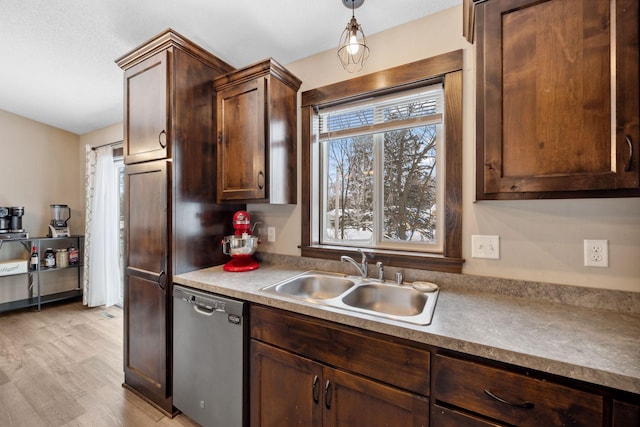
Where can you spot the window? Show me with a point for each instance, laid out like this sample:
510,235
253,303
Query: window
382,166
378,171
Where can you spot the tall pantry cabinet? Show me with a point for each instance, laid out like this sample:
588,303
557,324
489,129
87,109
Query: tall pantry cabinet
173,224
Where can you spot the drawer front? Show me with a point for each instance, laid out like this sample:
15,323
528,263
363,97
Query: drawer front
512,398
445,417
375,357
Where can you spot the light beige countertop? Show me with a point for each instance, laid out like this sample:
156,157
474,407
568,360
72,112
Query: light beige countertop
597,346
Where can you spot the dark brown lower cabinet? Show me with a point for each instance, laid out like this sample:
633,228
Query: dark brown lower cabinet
509,397
310,372
327,386
287,389
147,309
626,414
445,417
146,354
351,400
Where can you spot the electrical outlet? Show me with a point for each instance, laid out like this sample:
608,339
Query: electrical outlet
271,234
596,253
485,247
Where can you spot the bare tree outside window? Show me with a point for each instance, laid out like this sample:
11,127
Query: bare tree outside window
350,188
410,184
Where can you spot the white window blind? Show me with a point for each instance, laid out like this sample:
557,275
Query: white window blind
381,114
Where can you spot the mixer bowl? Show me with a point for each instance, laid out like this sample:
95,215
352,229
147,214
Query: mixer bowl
239,245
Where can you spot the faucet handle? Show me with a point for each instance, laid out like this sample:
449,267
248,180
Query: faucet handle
380,267
399,278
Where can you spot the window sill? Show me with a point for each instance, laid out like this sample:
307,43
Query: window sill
415,260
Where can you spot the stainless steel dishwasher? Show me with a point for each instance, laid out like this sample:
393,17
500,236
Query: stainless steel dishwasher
210,377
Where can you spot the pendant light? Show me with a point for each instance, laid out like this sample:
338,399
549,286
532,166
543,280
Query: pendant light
353,50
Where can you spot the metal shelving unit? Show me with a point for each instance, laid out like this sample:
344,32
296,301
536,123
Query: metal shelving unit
36,278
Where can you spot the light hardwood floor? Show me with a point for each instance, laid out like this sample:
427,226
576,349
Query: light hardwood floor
63,367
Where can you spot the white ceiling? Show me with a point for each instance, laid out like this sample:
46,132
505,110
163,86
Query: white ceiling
58,55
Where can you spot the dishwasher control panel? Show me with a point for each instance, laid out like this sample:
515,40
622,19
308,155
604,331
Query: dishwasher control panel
205,302
210,302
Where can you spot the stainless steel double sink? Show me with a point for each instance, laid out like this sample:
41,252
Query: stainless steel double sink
387,300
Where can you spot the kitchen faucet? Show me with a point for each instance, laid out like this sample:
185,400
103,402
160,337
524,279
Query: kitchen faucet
363,268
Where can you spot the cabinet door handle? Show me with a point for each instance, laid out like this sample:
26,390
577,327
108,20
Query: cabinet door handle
627,168
162,280
524,405
327,395
162,139
260,180
315,392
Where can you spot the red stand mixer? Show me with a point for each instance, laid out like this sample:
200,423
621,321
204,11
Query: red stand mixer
241,245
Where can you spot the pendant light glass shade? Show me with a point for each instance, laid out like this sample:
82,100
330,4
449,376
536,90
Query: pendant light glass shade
353,50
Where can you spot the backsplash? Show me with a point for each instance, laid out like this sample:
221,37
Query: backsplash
593,298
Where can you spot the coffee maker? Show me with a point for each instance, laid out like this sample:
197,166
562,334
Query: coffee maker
11,223
16,213
60,215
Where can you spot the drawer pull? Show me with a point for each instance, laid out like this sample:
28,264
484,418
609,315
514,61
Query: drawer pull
524,405
315,392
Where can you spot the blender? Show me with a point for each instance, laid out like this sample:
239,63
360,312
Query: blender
241,245
60,216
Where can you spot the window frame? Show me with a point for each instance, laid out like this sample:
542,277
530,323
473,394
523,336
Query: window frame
446,69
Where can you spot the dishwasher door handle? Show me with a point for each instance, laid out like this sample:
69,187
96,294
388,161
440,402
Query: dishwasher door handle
205,311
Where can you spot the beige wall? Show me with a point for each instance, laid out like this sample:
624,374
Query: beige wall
109,135
39,167
540,240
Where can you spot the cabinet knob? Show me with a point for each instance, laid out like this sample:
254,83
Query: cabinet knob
162,139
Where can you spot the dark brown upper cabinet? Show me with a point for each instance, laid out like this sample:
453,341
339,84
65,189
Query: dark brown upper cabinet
158,92
257,136
146,110
557,98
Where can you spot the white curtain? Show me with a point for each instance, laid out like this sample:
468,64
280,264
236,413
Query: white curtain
102,224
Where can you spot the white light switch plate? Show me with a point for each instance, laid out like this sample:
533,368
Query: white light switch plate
271,234
485,246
